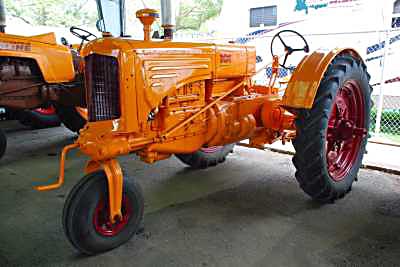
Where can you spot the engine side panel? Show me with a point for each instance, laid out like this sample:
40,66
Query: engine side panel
234,61
163,74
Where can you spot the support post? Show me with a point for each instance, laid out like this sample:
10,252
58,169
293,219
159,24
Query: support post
387,22
381,87
2,16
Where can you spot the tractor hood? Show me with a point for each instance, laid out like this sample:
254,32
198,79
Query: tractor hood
154,70
227,60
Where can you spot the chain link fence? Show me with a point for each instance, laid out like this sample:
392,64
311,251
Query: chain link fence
383,61
386,126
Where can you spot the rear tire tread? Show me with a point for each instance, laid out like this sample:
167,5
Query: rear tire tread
203,160
309,162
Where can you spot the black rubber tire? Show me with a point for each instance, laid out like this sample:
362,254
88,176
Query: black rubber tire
310,158
38,120
202,160
70,118
3,143
79,208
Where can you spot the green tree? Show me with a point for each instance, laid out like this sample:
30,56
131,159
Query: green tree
53,12
193,13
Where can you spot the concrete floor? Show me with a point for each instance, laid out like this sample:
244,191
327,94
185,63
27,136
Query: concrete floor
248,211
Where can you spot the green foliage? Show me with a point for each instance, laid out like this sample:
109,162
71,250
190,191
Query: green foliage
193,13
390,122
53,12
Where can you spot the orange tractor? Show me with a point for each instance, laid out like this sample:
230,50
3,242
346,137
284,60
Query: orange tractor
196,100
37,72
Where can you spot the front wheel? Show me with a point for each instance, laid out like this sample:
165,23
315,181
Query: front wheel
331,137
86,215
3,143
206,156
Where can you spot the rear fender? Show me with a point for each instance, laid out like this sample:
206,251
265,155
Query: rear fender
303,85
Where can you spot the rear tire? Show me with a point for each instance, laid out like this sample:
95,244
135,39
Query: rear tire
85,214
332,135
206,157
39,118
71,118
3,143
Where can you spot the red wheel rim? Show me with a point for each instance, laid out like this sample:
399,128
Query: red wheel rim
46,111
211,149
101,218
346,130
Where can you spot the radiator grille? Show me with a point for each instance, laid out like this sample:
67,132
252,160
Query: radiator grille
102,85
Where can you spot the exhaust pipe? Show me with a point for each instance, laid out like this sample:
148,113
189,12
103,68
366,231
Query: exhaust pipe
167,19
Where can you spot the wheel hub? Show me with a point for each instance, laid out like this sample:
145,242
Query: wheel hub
346,130
101,218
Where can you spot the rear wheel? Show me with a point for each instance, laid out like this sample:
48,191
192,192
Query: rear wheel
86,215
206,156
331,137
3,143
39,118
71,118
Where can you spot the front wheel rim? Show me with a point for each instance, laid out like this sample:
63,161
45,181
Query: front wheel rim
346,130
101,218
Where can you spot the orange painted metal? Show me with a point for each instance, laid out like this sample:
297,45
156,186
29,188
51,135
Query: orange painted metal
83,112
276,117
115,179
303,84
54,61
191,118
275,69
201,94
147,16
60,180
198,94
92,166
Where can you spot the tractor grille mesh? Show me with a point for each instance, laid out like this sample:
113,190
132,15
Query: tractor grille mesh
102,85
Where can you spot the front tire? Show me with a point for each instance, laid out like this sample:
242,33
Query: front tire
331,137
85,215
206,157
3,143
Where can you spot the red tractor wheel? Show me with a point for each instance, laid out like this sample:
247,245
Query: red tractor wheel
39,118
331,137
86,215
3,143
206,156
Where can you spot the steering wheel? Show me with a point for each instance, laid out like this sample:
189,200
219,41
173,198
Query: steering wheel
288,49
82,34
